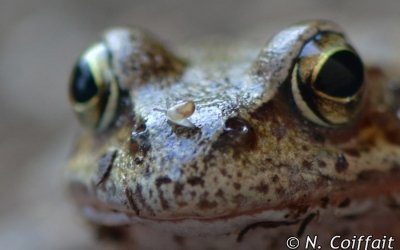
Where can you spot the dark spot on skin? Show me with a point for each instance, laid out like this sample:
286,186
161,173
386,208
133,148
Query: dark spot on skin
195,181
317,137
223,171
207,159
393,204
128,194
194,166
306,164
305,148
321,164
365,149
352,217
239,174
147,173
105,164
266,224
112,234
178,187
182,204
139,197
304,224
259,72
220,193
162,180
341,164
205,204
268,159
265,112
275,179
279,191
279,131
215,179
325,201
262,187
370,175
164,202
352,152
392,134
179,240
344,203
237,186
239,199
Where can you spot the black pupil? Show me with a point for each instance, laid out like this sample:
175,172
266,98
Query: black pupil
83,86
341,76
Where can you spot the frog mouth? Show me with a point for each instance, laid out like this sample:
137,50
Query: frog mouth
222,226
189,226
354,198
340,207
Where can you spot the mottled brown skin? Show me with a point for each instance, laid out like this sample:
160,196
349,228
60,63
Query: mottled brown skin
251,151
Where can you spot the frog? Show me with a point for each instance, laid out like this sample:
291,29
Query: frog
231,146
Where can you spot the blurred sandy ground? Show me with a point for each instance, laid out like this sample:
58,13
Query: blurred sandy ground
39,42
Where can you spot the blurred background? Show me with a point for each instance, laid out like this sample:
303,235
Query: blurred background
40,41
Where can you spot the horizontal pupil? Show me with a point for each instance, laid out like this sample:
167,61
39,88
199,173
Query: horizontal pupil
341,75
83,86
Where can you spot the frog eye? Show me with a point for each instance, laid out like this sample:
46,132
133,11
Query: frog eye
93,89
328,80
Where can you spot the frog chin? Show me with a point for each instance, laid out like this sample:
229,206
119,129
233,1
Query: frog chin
224,225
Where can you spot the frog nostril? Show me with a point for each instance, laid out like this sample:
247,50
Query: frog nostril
140,129
139,143
236,125
238,136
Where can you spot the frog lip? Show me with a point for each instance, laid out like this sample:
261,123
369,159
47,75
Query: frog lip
189,226
223,225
